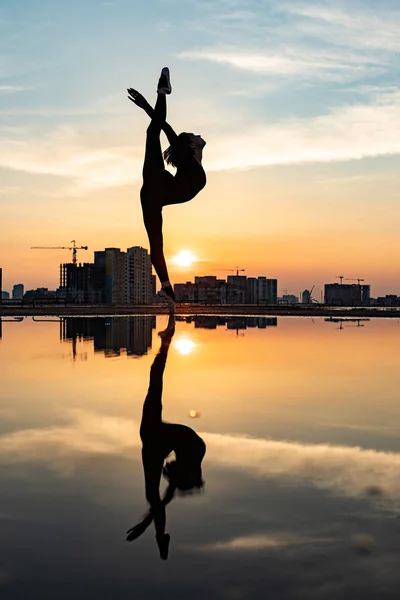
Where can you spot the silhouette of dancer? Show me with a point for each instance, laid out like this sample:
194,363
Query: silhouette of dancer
160,187
159,440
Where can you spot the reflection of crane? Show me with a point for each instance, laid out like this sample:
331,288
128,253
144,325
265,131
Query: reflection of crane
74,249
356,279
341,321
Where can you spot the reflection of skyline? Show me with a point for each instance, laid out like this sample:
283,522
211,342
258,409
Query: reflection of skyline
234,323
112,336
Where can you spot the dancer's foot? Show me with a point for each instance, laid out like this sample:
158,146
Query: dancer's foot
163,545
167,294
167,334
169,291
137,98
164,84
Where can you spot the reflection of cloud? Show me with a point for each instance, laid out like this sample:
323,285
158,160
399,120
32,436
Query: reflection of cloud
350,471
58,447
260,542
341,469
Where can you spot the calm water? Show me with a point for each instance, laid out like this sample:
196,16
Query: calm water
302,470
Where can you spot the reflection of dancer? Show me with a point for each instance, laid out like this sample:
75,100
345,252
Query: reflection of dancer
159,440
161,187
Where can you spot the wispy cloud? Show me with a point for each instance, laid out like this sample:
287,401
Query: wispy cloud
67,153
294,61
350,24
348,133
318,41
12,89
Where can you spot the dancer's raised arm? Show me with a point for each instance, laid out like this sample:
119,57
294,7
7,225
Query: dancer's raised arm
140,101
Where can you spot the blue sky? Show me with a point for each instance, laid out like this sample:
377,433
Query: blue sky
309,88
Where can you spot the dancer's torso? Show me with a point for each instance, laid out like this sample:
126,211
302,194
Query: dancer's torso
188,181
170,437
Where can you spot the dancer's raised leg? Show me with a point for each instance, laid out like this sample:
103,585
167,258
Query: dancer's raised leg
140,101
156,182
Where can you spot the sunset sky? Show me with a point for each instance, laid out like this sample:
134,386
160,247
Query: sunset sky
299,102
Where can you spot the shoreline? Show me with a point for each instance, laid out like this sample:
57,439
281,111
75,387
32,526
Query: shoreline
199,310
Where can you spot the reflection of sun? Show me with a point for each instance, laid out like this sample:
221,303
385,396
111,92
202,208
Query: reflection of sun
184,345
184,259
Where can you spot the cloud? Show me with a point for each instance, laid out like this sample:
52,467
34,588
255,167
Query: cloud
353,26
67,153
94,161
348,133
295,61
10,89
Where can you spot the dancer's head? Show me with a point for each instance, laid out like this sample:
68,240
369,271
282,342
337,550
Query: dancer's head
185,474
185,146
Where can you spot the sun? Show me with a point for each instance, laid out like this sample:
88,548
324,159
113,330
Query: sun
184,258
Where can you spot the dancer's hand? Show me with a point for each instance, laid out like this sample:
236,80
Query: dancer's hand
134,532
137,98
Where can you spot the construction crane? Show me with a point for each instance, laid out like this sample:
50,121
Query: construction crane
310,299
355,279
237,270
74,249
341,277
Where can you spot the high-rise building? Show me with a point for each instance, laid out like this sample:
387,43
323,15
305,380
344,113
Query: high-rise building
306,297
236,289
115,276
347,294
138,276
252,290
268,290
5,295
18,291
210,289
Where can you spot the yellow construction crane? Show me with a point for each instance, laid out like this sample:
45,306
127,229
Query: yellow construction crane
74,249
355,279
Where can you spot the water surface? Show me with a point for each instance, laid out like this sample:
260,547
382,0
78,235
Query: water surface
302,470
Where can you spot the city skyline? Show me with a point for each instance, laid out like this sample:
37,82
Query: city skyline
317,293
298,102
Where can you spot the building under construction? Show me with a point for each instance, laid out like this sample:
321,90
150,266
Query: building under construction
339,294
115,277
83,283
